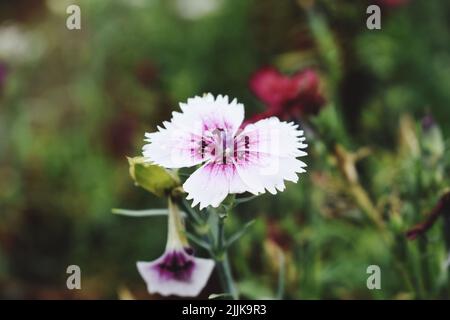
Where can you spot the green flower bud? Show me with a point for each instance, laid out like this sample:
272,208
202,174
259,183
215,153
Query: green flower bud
153,178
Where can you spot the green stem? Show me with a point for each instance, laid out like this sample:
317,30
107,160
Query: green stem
422,241
446,231
215,239
223,264
401,258
226,277
423,250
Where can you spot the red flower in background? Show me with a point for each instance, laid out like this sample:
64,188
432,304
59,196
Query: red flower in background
287,96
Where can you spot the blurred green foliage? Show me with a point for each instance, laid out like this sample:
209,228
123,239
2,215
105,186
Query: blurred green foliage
74,104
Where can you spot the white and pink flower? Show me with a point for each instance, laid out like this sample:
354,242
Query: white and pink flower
177,271
208,132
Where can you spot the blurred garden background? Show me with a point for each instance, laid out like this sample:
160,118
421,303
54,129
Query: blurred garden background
375,107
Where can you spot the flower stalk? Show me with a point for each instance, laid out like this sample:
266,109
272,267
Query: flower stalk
175,233
220,250
223,264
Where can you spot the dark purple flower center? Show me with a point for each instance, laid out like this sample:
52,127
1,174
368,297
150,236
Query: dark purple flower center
222,147
176,265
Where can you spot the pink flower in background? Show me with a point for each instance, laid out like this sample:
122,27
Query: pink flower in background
177,271
287,96
207,131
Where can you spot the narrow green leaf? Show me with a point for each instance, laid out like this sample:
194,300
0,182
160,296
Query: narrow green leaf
240,233
244,199
201,243
255,290
219,296
144,213
193,213
140,213
213,222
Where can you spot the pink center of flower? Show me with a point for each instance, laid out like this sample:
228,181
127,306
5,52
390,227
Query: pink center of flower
219,146
176,265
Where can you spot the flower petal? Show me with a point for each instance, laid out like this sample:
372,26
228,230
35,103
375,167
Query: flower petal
213,113
287,96
174,147
269,150
271,86
182,141
265,156
210,184
308,98
176,273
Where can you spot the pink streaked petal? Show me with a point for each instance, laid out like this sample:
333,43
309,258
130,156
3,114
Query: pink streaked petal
269,173
273,137
210,184
213,112
166,283
174,147
179,143
272,151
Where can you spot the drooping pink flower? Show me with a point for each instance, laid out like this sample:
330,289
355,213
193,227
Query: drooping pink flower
234,160
287,96
177,271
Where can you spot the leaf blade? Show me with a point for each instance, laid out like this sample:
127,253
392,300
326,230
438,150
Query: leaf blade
140,213
239,233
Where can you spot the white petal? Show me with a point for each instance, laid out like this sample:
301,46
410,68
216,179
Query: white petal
215,113
273,137
170,286
179,143
210,184
173,148
272,147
